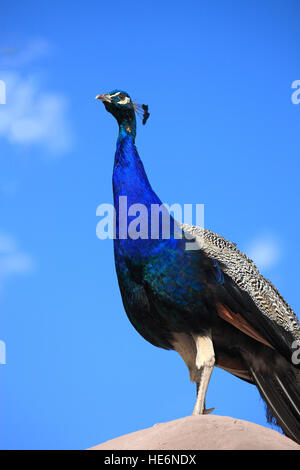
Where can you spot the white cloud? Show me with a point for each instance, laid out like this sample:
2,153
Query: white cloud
7,244
15,263
264,251
34,116
12,260
21,56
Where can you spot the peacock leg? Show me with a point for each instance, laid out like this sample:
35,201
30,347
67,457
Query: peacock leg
206,411
205,360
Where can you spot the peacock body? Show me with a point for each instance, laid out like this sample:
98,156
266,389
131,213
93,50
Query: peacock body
211,305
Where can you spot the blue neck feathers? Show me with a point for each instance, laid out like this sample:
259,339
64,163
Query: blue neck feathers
130,180
129,176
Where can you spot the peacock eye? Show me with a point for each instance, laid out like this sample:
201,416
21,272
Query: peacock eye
121,96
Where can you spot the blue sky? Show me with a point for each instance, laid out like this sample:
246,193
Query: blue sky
223,131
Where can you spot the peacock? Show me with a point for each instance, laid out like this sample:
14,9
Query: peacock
211,304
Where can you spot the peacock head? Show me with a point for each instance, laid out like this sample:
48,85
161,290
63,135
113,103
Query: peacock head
121,106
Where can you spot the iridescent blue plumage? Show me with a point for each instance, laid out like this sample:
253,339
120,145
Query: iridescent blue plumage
198,302
145,267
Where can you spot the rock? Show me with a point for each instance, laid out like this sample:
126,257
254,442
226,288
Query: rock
205,432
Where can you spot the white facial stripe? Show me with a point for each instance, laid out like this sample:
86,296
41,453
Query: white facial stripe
125,100
115,94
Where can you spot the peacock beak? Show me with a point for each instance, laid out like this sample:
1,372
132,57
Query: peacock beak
104,98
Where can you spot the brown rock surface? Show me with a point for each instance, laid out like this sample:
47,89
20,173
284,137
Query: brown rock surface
202,433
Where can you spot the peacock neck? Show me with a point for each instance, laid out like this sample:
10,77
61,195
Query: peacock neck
129,176
127,126
130,180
